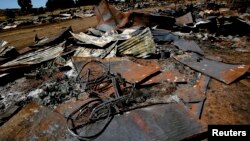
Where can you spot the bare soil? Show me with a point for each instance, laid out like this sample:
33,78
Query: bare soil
23,37
227,104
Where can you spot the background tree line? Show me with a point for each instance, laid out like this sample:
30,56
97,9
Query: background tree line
61,4
26,5
51,5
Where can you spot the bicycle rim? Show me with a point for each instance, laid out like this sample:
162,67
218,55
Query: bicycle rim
82,126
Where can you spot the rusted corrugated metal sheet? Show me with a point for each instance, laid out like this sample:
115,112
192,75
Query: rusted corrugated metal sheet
3,48
7,52
60,37
100,41
160,122
33,58
141,45
102,53
2,44
34,122
160,35
89,39
226,73
88,52
130,70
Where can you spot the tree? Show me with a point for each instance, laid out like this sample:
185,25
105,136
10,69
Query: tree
51,5
25,5
55,4
67,3
41,10
87,2
10,14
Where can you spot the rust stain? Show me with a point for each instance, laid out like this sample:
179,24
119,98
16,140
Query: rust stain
196,92
232,74
139,120
245,82
69,106
34,121
195,95
170,76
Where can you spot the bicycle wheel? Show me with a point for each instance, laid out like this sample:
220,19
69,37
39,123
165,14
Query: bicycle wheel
86,124
92,72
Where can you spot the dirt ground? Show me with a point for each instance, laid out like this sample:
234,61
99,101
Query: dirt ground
23,37
225,104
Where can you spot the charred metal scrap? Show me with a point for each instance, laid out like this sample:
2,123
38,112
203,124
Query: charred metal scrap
49,124
111,84
188,46
109,17
194,96
100,41
7,52
125,67
102,53
141,45
213,21
163,36
12,110
150,20
226,73
88,39
99,123
3,43
60,37
138,125
160,35
32,58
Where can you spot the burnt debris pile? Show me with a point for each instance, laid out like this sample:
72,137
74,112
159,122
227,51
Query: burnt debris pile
137,75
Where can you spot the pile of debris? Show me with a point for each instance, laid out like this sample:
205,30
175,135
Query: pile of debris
139,80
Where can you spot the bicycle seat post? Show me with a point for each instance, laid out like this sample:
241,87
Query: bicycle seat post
116,87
